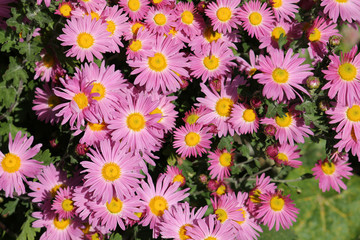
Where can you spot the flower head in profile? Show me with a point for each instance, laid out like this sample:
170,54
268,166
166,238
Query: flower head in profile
285,9
347,10
49,67
176,175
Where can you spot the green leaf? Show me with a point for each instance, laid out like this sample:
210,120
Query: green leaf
7,95
10,207
226,142
44,156
282,234
282,40
15,72
115,236
27,231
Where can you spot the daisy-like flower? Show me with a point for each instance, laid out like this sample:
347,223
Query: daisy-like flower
18,164
282,74
223,15
244,119
159,20
187,19
289,128
140,45
220,163
63,203
112,172
194,114
162,3
94,133
167,111
136,9
177,218
343,74
214,60
331,173
256,18
162,67
286,156
133,28
64,9
348,143
271,39
285,9
5,9
48,68
348,10
226,209
92,5
175,174
158,200
276,209
249,68
87,38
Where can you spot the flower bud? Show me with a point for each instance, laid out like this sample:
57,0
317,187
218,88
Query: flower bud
201,7
271,151
203,178
313,82
81,149
212,185
255,102
324,105
54,143
335,41
270,130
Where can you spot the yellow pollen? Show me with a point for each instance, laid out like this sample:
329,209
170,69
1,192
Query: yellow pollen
85,0
160,19
283,121
158,62
85,40
192,118
86,228
48,60
255,196
173,32
315,35
134,5
95,15
95,236
115,206
249,115
328,168
353,113
111,171
187,17
62,224
157,1
282,157
276,33
221,190
225,159
96,127
242,211
347,71
179,178
81,100
54,190
158,205
135,27
277,203
67,205
276,3
182,232
341,1
211,62
192,139
280,75
111,27
138,214
135,45
210,238
53,101
221,215
210,35
65,10
252,71
135,122
223,106
224,14
100,89
255,18
157,111
11,163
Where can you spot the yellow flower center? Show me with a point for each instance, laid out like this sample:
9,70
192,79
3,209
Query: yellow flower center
62,224
54,190
225,159
157,1
65,10
353,113
53,101
221,215
224,14
111,27
221,190
192,139
81,100
178,178
135,27
276,3
280,75
182,232
347,71
158,62
160,19
135,45
277,203
115,206
158,205
111,171
210,238
252,71
95,15
341,1
192,118
255,196
211,62
328,168
283,121
100,89
242,211
223,106
187,17
85,40
282,157
134,5
95,236
315,35
255,18
173,32
211,35
11,163
276,33
135,122
67,205
249,115
48,60
157,111
96,127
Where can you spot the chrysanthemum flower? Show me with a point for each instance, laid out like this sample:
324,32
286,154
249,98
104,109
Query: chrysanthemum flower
194,114
226,209
348,10
220,163
48,68
162,3
223,15
331,173
162,67
159,20
249,68
133,28
94,133
175,174
64,9
343,75
276,209
136,9
87,38
256,18
140,45
92,5
348,143
5,9
167,110
18,164
285,9
187,19
177,218
82,200
244,119
282,74
270,40
112,172
287,154
214,60
63,203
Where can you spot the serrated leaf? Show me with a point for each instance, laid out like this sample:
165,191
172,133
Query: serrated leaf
282,40
30,49
115,236
44,156
226,142
6,127
7,95
10,207
15,72
27,231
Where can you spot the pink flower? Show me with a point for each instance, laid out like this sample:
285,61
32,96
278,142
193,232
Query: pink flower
348,10
220,163
286,156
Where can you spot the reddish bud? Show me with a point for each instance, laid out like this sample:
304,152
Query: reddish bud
271,151
270,130
81,149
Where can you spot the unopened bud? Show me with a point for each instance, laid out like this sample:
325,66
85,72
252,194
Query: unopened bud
271,151
335,41
324,105
203,178
212,185
270,130
81,149
255,102
313,82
